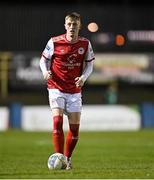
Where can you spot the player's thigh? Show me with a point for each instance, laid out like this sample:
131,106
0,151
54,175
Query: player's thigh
57,111
74,117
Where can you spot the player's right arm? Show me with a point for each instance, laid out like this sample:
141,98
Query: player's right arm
44,66
45,61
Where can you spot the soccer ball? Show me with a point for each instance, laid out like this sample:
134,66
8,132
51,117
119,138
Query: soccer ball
57,161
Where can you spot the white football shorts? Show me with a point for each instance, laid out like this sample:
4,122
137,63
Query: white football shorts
68,102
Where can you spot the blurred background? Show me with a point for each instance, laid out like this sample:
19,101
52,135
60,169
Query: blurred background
122,35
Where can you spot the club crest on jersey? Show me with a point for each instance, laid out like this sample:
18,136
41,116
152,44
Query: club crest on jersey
81,50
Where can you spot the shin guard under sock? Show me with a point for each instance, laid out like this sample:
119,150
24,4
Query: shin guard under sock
58,134
71,139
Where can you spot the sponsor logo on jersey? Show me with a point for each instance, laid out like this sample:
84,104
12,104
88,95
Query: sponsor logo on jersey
72,58
72,62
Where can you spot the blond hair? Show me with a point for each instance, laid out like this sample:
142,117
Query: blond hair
73,15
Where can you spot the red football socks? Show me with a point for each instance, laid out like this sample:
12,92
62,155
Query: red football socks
71,139
58,134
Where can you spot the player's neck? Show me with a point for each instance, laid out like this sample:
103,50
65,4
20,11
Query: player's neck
71,39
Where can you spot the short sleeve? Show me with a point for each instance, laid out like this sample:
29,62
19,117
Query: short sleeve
90,53
49,49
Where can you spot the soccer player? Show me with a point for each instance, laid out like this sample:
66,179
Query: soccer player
66,63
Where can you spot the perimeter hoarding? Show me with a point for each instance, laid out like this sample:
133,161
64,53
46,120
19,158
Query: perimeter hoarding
25,73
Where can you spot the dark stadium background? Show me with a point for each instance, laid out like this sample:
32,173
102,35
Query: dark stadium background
26,26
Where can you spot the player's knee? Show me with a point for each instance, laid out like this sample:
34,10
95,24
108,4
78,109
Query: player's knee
57,124
74,128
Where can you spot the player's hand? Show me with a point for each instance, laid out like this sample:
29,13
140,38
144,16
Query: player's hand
48,75
79,82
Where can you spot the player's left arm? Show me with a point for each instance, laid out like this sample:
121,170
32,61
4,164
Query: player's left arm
79,81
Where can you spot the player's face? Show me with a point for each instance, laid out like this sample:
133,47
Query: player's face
72,27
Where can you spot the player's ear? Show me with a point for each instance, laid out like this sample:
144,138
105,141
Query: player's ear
65,26
80,26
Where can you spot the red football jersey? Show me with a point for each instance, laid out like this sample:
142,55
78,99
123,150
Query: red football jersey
67,60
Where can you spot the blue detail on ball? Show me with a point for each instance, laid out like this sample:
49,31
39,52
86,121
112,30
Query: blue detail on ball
52,160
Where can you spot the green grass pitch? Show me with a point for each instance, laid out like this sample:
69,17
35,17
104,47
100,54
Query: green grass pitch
98,155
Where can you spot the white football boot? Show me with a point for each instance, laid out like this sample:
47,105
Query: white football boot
69,164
